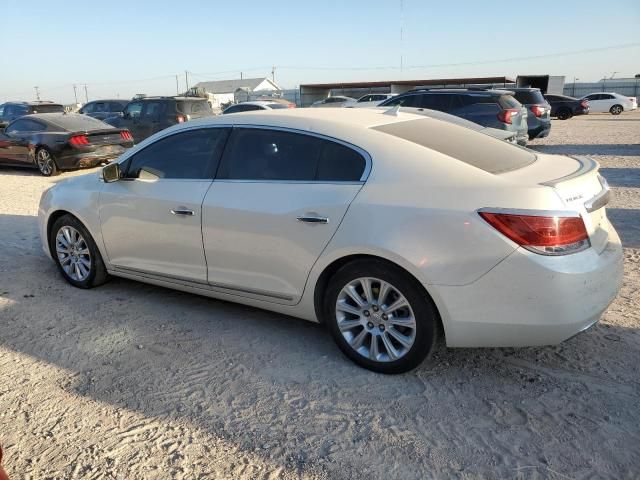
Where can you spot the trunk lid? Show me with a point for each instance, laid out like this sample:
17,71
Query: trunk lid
582,189
107,136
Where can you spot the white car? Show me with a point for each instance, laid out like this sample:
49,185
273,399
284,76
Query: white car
611,102
370,100
333,102
389,227
256,105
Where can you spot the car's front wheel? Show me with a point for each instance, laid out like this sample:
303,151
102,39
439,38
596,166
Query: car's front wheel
380,316
76,253
616,110
46,163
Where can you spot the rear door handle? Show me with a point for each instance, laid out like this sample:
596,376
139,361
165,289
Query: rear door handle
183,211
312,219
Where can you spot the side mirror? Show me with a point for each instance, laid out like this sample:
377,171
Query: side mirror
111,173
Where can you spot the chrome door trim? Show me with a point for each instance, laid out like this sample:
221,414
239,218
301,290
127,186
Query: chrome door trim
214,287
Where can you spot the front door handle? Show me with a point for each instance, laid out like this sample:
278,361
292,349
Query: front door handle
312,219
183,211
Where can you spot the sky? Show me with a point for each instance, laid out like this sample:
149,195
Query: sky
120,48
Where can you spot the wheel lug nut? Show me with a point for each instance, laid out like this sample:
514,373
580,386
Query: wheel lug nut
384,316
375,308
381,327
366,313
369,325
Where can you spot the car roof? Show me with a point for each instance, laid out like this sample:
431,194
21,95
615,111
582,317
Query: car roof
109,100
474,91
33,103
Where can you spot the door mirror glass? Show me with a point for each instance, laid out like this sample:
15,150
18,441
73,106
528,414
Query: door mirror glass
111,173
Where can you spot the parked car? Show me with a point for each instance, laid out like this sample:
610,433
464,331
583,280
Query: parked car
539,111
52,142
3,474
9,111
564,107
486,107
386,227
145,116
252,106
333,102
370,100
611,102
283,101
103,109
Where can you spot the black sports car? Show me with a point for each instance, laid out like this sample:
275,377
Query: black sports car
61,141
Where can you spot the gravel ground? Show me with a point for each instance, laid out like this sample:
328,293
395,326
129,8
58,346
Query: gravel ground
139,382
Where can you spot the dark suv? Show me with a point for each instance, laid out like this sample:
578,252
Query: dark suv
145,116
103,109
11,110
489,108
539,118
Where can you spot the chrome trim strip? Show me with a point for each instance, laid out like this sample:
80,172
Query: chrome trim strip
587,164
202,285
524,211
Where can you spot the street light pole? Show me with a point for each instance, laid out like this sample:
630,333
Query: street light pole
86,94
75,93
37,93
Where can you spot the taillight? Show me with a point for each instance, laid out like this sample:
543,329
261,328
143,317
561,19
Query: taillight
291,105
537,110
125,135
544,234
79,140
182,118
584,104
505,116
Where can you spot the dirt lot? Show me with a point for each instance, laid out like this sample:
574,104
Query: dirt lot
138,382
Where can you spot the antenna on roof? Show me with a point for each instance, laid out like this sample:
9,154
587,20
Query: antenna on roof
393,111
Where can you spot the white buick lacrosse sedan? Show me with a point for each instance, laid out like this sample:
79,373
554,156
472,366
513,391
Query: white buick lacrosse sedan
391,228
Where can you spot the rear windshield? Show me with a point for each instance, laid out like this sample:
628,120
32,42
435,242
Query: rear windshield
197,107
47,109
73,122
473,148
529,97
507,101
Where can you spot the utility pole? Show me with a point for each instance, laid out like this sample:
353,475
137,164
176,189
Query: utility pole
177,86
240,75
86,94
37,93
186,79
273,74
75,92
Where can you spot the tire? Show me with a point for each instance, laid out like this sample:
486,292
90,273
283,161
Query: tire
564,114
76,239
616,110
45,163
351,325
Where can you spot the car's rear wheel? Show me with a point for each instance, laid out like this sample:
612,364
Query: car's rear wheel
380,316
616,110
564,114
76,253
46,163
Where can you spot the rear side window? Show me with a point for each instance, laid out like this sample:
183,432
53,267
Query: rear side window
193,154
26,125
273,155
473,148
194,107
529,97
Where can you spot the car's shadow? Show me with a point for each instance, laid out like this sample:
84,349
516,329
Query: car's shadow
255,378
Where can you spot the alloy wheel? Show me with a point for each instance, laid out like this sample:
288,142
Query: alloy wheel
375,319
45,162
73,253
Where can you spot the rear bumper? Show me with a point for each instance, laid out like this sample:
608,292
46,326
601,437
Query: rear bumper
540,131
90,159
530,299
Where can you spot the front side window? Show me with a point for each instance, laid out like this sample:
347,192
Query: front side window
152,109
274,155
25,125
133,110
193,154
88,108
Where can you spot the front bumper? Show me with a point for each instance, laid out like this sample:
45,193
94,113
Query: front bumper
530,299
